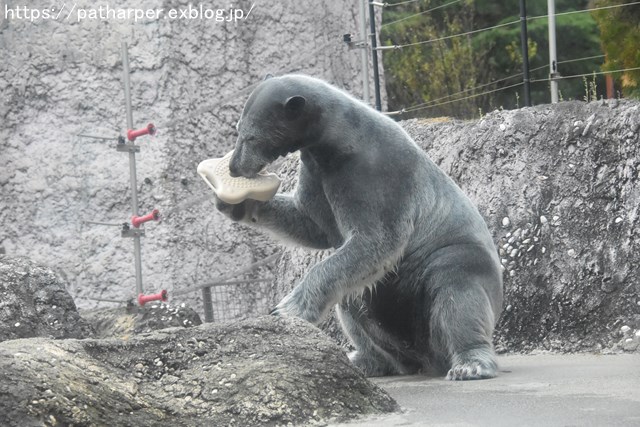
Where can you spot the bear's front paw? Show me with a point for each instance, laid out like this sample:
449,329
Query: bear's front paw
240,212
296,305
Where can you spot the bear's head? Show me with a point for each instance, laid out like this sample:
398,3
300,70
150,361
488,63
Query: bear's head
275,121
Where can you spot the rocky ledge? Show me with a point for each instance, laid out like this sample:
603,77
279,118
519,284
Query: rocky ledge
264,371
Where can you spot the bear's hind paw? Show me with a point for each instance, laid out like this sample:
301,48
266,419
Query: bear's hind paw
470,371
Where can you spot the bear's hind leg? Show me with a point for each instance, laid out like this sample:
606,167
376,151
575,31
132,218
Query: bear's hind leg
461,331
377,352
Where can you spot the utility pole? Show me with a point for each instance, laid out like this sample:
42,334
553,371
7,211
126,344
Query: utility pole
553,57
364,57
525,53
374,50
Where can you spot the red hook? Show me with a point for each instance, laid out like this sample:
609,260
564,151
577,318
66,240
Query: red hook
133,134
163,296
138,220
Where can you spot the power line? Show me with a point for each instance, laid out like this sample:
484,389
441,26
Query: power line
468,97
569,61
508,78
580,59
498,25
594,73
584,10
430,102
419,13
431,105
416,108
448,37
399,3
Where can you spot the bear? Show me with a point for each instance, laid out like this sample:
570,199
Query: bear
415,276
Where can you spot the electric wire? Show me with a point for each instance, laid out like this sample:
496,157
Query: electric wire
564,62
493,83
386,24
498,81
400,3
505,24
433,101
417,108
172,123
110,224
453,36
613,6
430,105
594,73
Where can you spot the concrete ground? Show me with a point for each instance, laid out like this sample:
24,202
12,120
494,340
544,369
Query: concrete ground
531,390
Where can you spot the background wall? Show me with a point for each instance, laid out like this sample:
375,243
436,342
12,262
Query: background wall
62,78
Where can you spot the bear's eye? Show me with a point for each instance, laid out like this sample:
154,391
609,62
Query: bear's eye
249,139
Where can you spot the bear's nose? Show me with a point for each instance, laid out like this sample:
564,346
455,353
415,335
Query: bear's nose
234,170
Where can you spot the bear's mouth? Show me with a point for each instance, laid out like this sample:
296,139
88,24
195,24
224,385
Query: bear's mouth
250,174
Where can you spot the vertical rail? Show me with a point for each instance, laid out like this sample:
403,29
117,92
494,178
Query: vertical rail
207,302
553,55
525,53
374,51
364,57
132,166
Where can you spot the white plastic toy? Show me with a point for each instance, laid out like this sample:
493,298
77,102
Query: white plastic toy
234,190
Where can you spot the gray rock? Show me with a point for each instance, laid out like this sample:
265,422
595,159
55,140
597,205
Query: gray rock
260,372
35,303
133,319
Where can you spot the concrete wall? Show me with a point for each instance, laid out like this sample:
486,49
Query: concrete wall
60,78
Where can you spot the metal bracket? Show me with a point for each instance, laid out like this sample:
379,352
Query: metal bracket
128,148
132,232
360,44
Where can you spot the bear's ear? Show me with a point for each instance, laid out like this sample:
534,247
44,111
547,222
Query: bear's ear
268,76
294,106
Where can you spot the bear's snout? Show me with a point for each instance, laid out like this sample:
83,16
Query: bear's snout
234,165
233,169
239,167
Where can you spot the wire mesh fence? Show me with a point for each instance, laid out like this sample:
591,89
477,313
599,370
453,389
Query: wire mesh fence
239,300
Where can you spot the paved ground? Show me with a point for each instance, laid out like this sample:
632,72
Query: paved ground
536,390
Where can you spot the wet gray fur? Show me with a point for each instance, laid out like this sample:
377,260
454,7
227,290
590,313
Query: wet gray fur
415,275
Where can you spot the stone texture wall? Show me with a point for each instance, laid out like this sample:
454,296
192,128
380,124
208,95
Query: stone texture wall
62,78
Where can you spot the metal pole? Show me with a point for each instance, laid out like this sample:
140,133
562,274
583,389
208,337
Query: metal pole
553,56
374,51
363,52
525,53
132,166
207,303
